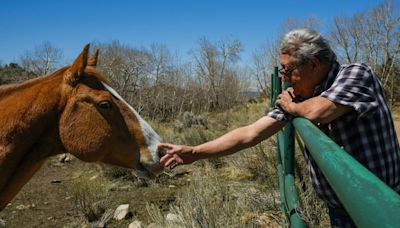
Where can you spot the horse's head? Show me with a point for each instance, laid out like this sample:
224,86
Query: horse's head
98,125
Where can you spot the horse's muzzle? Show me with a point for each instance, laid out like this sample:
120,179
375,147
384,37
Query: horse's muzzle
161,153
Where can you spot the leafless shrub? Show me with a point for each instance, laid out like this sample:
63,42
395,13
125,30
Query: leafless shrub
90,199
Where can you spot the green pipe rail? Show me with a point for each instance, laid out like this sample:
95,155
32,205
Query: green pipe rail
368,200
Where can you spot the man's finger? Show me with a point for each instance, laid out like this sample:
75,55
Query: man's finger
178,159
164,146
170,162
165,158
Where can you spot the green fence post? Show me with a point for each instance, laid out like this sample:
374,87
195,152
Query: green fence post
272,98
275,88
292,198
288,133
285,159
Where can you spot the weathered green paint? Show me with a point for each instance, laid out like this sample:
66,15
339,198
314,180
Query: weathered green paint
281,151
277,89
281,185
292,201
289,197
288,134
273,98
369,201
285,156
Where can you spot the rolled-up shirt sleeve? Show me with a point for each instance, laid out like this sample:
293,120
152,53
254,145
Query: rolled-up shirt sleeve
278,114
353,87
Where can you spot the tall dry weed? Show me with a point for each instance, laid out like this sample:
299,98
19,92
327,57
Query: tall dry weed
90,198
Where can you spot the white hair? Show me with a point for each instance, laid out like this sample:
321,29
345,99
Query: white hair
304,44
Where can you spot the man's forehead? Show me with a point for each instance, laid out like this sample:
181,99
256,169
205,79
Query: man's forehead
286,59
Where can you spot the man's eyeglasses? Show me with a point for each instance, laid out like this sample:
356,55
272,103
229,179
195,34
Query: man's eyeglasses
287,72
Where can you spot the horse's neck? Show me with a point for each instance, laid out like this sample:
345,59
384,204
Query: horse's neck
28,124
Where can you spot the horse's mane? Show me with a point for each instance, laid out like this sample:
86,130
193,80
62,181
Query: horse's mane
7,89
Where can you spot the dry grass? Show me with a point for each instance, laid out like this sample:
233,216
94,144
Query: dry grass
90,198
210,201
234,191
238,190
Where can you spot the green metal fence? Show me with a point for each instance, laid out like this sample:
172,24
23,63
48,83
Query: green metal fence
369,201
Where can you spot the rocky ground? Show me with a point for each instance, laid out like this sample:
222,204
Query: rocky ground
49,199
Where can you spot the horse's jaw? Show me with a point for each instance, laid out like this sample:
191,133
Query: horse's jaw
148,172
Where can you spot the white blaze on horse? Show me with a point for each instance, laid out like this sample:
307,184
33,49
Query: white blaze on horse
72,110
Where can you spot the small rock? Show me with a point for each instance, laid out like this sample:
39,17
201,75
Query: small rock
94,177
63,158
171,217
121,212
135,224
22,207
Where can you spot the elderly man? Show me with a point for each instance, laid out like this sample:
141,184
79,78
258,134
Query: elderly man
346,101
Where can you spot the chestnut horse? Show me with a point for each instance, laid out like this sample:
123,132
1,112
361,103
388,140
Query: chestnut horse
72,110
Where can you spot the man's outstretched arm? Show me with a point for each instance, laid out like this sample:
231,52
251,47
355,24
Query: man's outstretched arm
229,143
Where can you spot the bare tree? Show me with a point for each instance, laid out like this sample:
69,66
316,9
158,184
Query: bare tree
43,59
291,23
127,68
213,68
372,37
168,94
150,80
264,59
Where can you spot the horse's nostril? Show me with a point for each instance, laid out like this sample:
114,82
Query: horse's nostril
162,153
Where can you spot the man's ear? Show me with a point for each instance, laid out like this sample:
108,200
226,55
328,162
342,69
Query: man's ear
76,70
315,63
93,60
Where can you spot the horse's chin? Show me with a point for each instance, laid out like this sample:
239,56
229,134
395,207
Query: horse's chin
143,174
148,172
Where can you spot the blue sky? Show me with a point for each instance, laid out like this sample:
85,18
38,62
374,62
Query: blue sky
179,24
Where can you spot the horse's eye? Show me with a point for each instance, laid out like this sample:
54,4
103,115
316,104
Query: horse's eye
105,104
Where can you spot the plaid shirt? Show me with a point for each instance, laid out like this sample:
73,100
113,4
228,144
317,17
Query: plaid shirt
367,133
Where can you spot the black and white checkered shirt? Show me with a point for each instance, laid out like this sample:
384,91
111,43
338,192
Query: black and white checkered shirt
367,133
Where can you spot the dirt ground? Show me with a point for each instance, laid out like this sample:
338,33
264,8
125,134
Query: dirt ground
47,199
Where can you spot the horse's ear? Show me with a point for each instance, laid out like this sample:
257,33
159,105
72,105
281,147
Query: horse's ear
93,60
77,68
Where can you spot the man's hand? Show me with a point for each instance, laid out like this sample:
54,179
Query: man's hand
285,101
176,155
